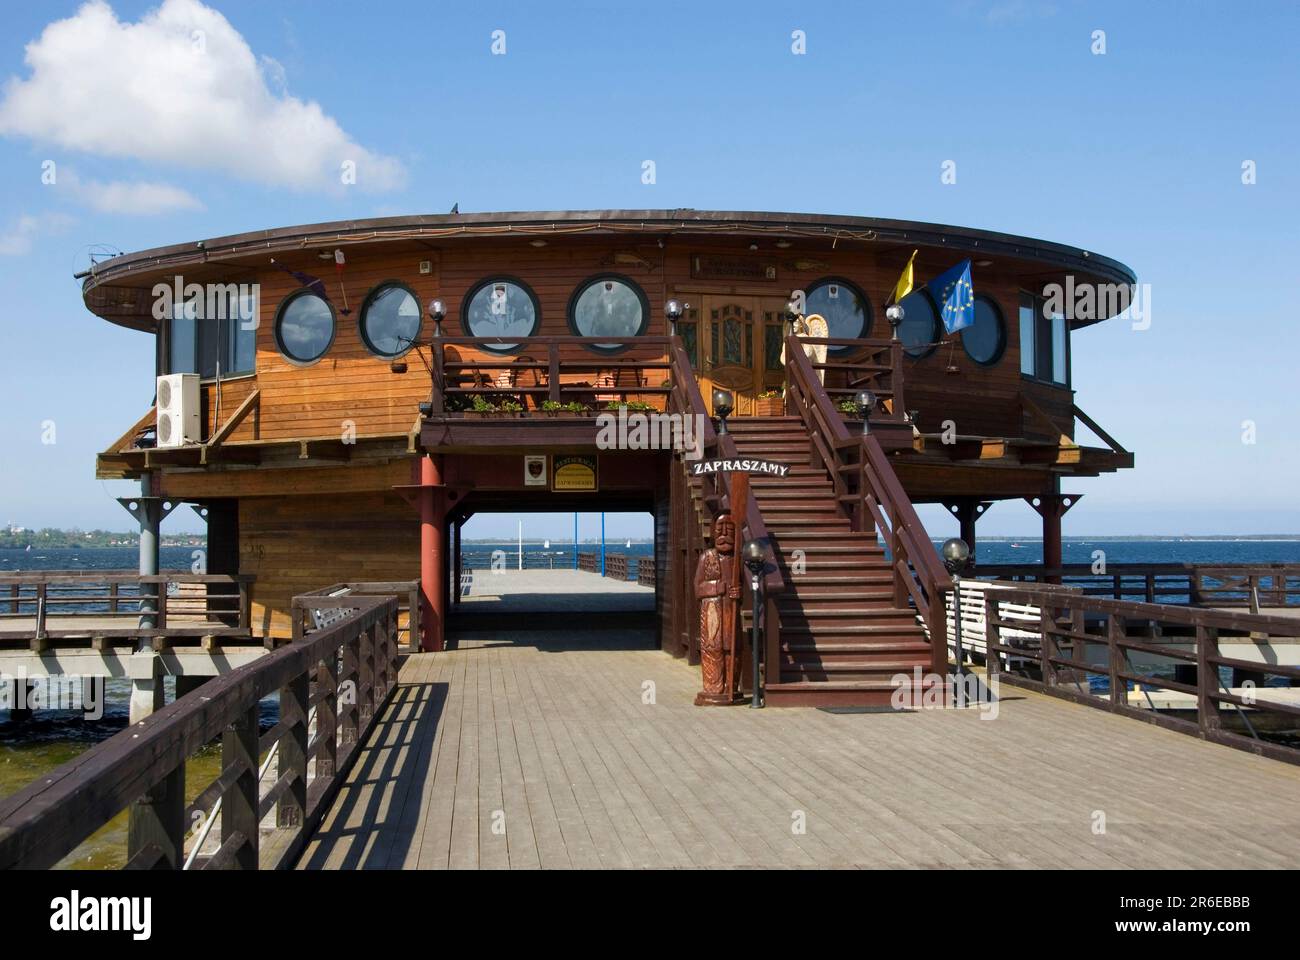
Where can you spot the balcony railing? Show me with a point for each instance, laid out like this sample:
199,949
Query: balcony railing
542,369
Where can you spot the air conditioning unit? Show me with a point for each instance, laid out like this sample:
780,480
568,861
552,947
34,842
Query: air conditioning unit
178,410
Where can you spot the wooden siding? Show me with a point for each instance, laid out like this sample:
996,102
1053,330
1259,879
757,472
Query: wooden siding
350,385
296,544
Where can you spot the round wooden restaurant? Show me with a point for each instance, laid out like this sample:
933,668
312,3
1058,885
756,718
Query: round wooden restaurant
340,398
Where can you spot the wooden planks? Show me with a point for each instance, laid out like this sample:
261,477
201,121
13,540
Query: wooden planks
555,734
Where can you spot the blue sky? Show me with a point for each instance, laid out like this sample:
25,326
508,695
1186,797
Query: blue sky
1136,154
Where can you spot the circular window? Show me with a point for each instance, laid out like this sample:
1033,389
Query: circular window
390,320
986,338
844,307
608,306
304,327
501,308
919,330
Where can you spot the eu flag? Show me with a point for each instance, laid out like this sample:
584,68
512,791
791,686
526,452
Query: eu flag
956,297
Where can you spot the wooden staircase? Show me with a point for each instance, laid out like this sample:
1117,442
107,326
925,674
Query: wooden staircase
843,636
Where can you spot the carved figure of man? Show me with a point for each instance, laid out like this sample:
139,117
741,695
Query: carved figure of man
717,591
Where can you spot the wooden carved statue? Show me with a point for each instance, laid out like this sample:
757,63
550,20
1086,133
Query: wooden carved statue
811,327
718,590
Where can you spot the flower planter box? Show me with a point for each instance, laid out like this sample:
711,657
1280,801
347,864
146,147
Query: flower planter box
769,407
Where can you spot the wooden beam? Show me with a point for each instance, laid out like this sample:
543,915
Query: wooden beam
117,445
233,421
1091,424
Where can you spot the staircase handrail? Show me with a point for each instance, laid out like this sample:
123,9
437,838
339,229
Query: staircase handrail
879,495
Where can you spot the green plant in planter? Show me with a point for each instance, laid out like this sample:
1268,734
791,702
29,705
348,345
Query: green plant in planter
848,406
575,406
510,407
771,395
552,406
482,405
632,405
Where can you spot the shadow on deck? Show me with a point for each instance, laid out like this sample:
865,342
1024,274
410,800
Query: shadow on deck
534,750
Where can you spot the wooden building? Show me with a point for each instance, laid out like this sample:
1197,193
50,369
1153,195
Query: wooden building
364,387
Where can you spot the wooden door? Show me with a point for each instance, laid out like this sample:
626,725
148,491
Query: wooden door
738,344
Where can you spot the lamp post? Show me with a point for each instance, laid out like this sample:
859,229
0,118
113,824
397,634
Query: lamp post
673,311
865,401
956,553
723,404
754,556
894,313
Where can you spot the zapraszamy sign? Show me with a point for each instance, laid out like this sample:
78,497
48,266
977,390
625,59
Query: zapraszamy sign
702,467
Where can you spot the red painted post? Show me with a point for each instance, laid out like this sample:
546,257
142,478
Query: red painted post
432,557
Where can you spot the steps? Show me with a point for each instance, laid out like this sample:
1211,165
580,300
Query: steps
843,637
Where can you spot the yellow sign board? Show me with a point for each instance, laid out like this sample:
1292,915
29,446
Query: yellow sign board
573,474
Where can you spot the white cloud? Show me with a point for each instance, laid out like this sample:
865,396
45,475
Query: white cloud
123,197
17,239
179,87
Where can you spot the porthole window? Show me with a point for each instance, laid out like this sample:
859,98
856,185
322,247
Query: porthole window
919,330
390,320
304,327
503,309
608,306
986,338
844,307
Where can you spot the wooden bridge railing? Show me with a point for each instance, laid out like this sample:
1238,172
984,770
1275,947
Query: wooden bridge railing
861,364
1185,641
55,604
346,671
872,497
1248,585
645,571
306,607
714,498
519,375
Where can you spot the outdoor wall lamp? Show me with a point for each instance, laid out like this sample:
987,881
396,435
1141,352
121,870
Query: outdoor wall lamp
437,310
865,401
754,555
673,311
956,555
723,404
894,313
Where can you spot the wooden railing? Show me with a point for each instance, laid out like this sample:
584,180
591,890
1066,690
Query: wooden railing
871,496
875,365
1072,623
346,671
1247,585
645,571
589,379
713,495
55,604
589,562
304,611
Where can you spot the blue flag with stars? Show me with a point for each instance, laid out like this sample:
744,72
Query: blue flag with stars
955,296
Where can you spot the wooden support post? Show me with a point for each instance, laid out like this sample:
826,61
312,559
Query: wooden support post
967,510
437,362
350,708
291,758
1052,507
1118,685
1047,650
1207,678
239,804
327,715
553,371
156,824
366,676
456,564
433,569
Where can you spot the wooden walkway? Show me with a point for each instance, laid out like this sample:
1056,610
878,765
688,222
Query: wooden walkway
531,750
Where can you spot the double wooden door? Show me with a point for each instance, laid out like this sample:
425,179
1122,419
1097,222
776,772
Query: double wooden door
735,343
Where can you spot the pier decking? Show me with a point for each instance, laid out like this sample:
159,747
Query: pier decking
539,749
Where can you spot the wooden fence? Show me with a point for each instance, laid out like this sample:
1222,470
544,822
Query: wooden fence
645,571
346,670
1246,585
1184,640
